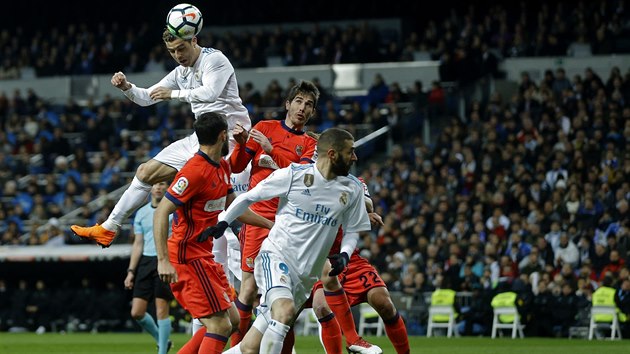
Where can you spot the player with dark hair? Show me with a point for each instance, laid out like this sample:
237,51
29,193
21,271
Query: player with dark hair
272,144
205,78
199,192
361,283
314,200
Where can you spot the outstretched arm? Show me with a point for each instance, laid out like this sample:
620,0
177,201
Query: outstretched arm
276,185
138,95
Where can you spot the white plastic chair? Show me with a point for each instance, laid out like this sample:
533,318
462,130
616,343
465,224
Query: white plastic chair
369,318
515,325
310,322
442,312
446,310
613,324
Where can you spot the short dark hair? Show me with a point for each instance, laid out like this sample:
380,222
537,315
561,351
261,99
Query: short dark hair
208,126
304,87
168,37
332,138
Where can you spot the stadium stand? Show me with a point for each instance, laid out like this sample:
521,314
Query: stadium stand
510,169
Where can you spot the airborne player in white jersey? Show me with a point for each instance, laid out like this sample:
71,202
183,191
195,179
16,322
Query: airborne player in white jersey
205,78
315,199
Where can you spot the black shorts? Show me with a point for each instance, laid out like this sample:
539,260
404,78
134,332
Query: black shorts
147,283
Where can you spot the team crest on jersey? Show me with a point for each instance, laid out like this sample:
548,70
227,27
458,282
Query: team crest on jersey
309,179
343,199
180,186
299,149
250,262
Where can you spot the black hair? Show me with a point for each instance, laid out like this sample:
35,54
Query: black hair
332,138
208,126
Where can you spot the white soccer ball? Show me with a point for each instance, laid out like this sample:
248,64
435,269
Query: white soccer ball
184,21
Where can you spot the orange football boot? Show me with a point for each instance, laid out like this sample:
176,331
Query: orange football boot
97,233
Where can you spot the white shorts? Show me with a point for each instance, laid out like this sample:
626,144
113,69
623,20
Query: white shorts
179,152
271,271
233,255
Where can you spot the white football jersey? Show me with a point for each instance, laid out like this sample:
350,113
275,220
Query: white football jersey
310,211
209,86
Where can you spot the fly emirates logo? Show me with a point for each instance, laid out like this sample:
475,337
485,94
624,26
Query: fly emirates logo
239,187
317,217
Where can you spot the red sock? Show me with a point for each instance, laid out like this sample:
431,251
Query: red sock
339,305
331,334
289,341
193,344
397,334
245,313
212,344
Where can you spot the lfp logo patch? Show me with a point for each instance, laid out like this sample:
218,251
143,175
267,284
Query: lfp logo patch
180,186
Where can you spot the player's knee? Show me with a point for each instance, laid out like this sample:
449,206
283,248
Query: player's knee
321,310
224,327
282,305
137,314
144,172
284,314
384,306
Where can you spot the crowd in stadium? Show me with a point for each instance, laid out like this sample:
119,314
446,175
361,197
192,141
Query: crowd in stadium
530,191
529,29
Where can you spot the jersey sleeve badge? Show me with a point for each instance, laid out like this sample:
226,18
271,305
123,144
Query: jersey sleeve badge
180,186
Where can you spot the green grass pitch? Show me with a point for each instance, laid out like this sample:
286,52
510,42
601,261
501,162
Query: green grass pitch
130,343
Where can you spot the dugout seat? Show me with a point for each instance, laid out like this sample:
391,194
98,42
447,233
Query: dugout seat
506,315
442,312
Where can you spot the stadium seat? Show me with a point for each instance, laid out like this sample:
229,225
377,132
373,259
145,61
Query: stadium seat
310,322
442,312
369,319
604,317
506,315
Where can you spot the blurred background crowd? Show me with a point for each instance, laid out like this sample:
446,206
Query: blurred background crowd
528,191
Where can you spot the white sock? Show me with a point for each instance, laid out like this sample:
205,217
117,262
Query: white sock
273,339
219,250
196,325
234,350
134,197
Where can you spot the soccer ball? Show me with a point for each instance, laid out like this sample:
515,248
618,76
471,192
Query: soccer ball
184,21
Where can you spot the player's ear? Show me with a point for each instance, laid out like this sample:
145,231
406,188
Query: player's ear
331,153
287,104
